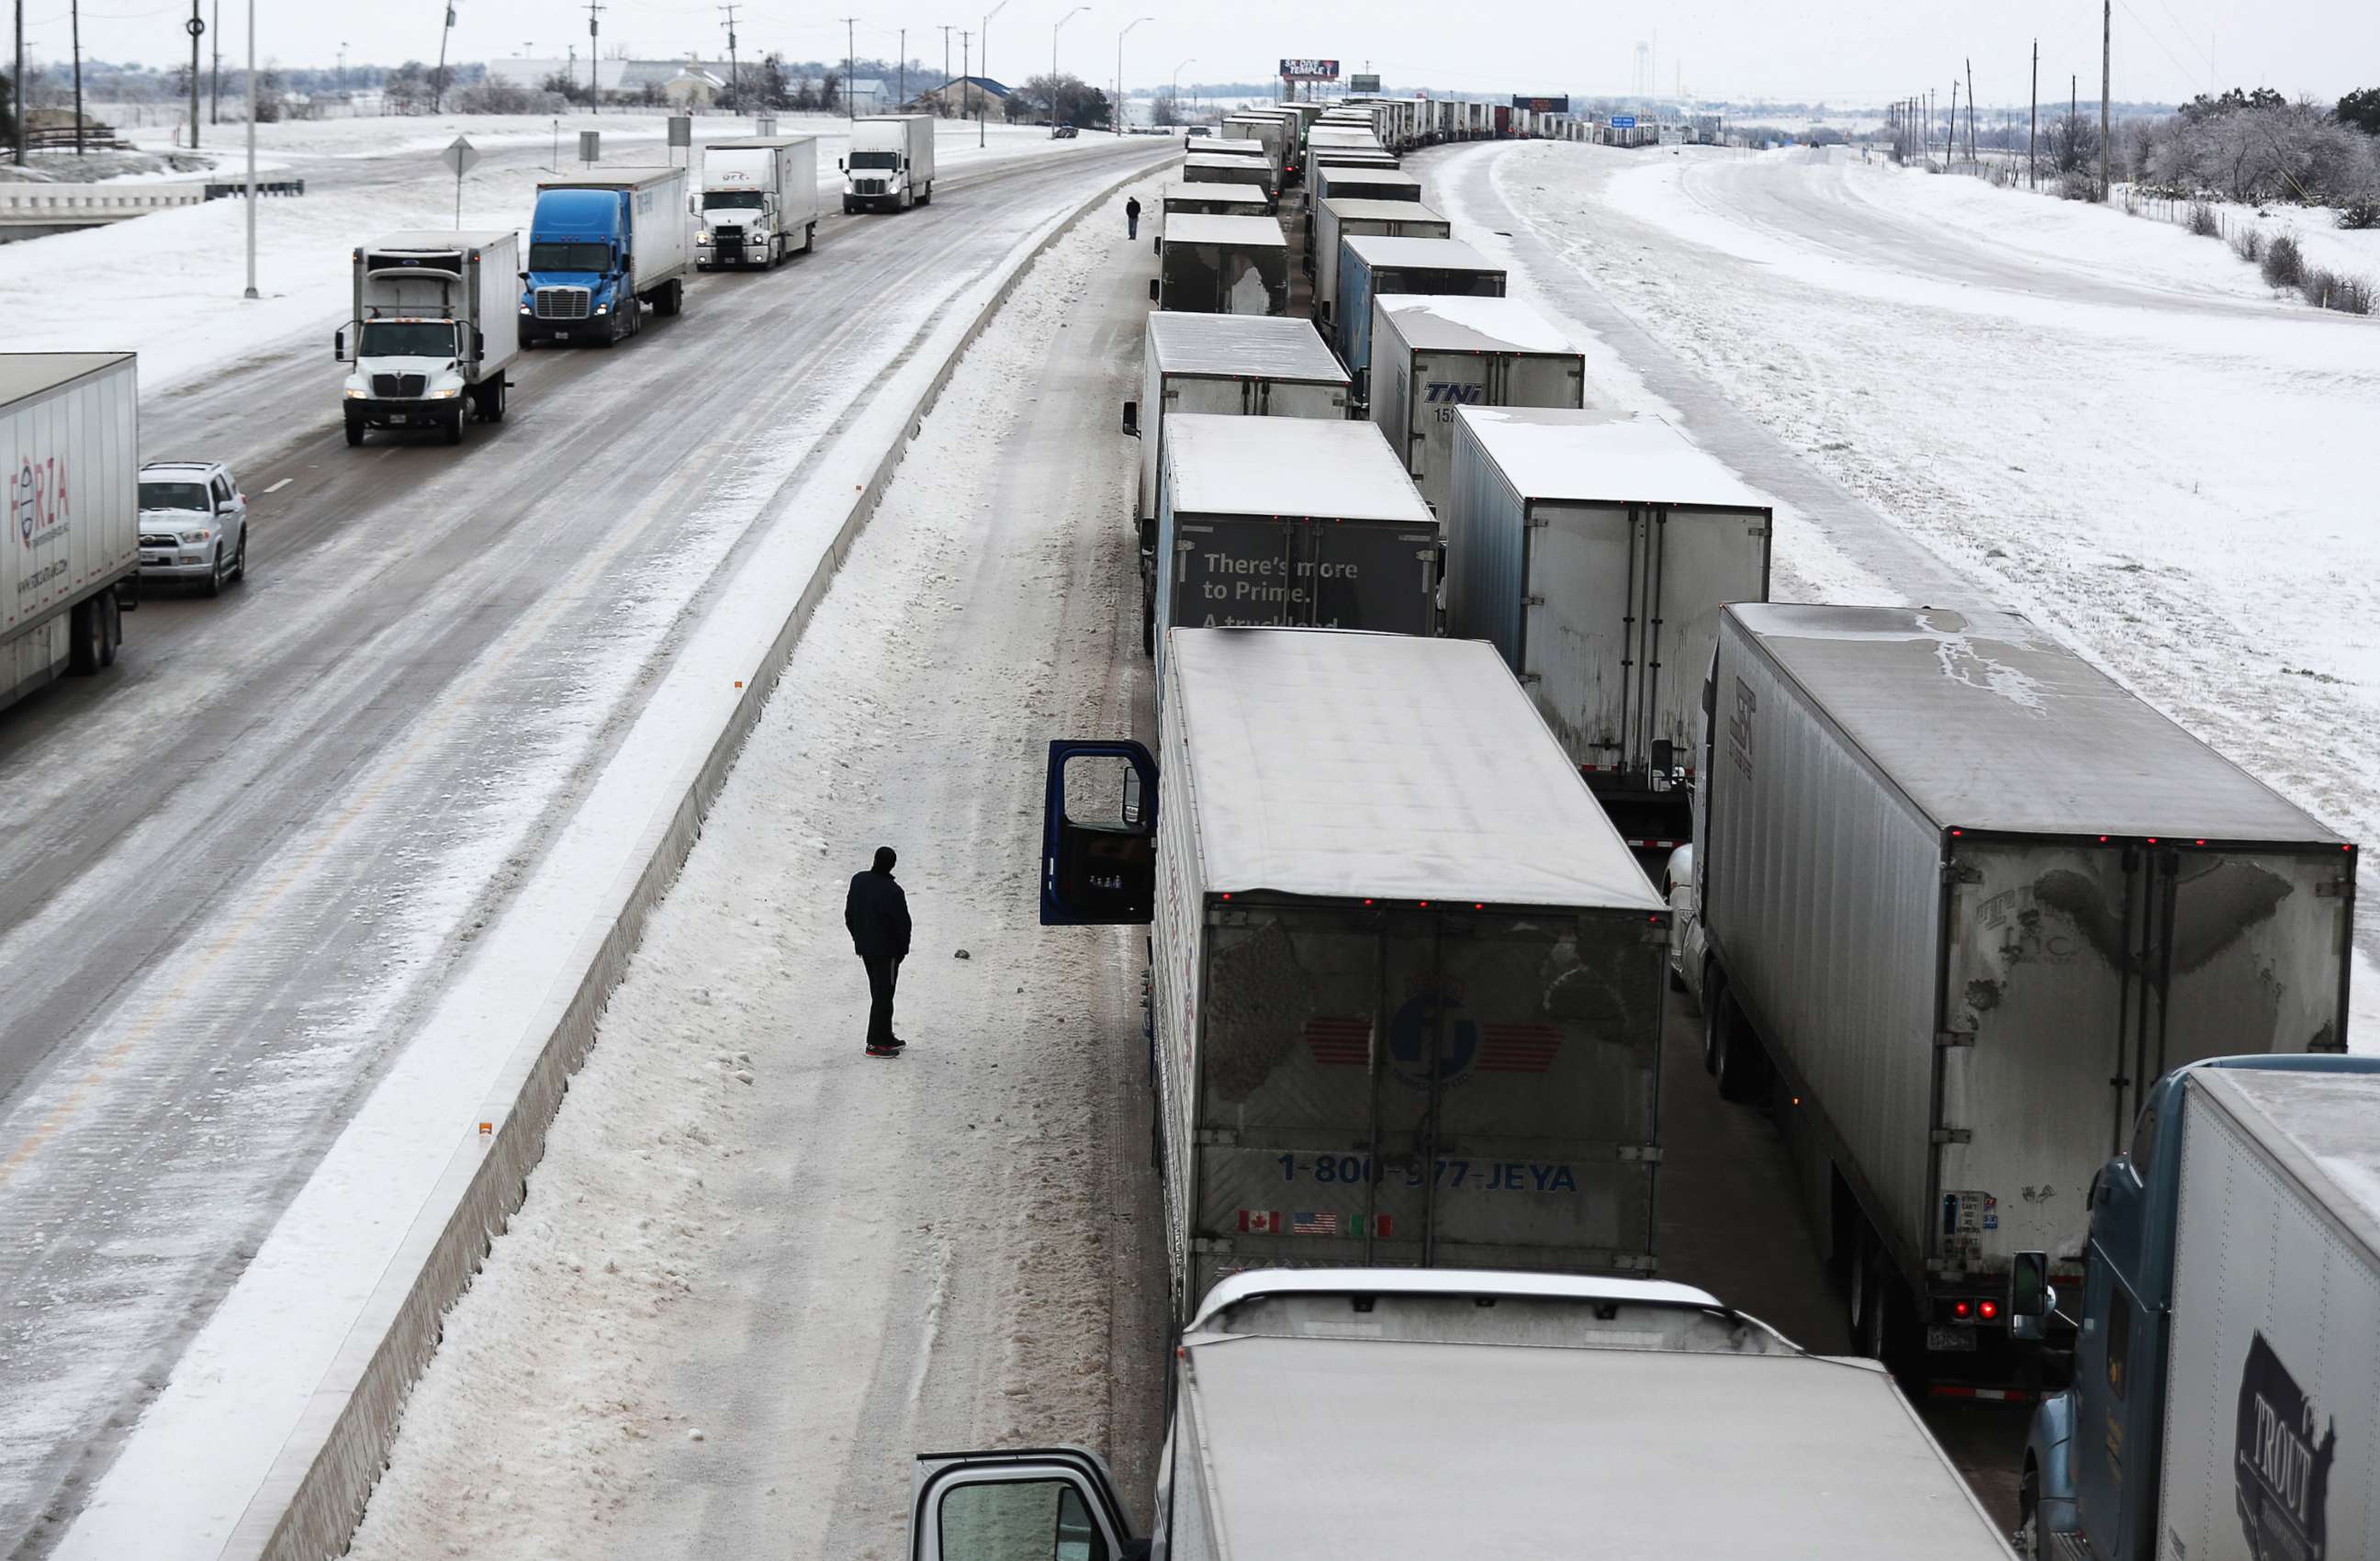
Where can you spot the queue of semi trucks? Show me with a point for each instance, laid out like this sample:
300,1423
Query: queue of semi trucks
1452,667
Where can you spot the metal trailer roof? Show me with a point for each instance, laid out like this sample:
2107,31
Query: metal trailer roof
1242,147
433,242
1419,254
1241,347
1432,323
1985,722
1362,207
2310,1116
1225,158
1593,457
1359,174
755,143
1321,466
1242,233
1312,1446
1182,189
1351,766
623,178
27,374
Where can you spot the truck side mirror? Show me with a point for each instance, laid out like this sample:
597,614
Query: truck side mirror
479,344
1132,418
838,164
339,345
1152,290
2031,1298
1664,756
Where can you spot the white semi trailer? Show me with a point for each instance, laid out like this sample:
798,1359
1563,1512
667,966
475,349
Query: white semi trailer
759,200
890,165
1432,356
71,423
432,328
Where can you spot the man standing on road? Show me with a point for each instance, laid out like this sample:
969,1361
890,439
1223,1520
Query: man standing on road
1131,217
877,914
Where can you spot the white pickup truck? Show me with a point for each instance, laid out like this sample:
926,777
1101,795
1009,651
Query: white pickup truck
1405,1415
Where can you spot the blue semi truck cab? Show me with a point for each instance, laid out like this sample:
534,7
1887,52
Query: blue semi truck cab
603,246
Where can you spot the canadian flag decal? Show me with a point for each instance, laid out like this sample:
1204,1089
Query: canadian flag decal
1259,1222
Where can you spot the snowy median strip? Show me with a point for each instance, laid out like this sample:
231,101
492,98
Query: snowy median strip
268,1438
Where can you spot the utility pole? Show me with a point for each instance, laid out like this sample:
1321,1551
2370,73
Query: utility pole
2033,125
215,70
2107,51
946,64
1054,31
850,46
734,73
1971,108
195,27
594,60
438,83
901,70
1950,129
251,148
75,10
983,103
967,83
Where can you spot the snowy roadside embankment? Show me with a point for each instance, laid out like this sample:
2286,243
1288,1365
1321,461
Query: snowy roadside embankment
169,286
757,1271
2167,468
293,1360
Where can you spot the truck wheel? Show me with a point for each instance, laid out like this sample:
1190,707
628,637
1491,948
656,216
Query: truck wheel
82,654
355,429
926,199
2029,1536
493,406
454,425
1714,1006
809,238
1740,1057
111,628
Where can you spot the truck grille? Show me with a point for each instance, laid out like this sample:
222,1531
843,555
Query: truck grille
869,187
398,386
563,303
727,236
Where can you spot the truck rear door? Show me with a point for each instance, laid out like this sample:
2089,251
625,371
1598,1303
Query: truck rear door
1375,576
1579,571
1702,560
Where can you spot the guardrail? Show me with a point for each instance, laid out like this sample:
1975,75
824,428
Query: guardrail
263,186
96,203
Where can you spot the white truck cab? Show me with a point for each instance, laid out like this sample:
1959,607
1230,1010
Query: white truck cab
1421,1414
758,203
430,332
890,167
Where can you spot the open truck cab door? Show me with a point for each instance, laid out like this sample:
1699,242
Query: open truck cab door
1032,1504
1099,835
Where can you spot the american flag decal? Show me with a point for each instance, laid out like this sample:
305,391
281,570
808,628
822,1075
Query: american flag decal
1322,1224
1340,1042
1518,1048
1259,1222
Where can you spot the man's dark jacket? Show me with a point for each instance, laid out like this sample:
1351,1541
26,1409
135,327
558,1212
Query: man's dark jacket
878,914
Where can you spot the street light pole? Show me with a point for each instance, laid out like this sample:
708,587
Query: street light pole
1061,22
1119,79
1177,84
983,100
251,150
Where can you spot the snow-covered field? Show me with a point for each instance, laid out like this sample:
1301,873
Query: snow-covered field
756,1270
2105,423
169,286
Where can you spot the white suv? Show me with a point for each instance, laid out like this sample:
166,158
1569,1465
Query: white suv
193,524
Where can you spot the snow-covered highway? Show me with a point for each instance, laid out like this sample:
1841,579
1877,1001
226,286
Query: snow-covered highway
266,838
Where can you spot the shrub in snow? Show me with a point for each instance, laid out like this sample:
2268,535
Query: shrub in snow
2203,220
2079,186
2363,211
2326,289
2249,245
2284,264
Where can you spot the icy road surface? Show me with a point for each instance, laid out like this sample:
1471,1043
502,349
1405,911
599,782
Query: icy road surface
262,839
1970,394
757,1271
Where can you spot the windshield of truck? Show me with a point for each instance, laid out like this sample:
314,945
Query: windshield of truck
389,338
725,199
570,257
175,496
875,160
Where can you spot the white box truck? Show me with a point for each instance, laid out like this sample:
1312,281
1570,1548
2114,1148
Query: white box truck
1594,553
1222,265
1271,132
759,200
1407,982
1228,365
1433,356
889,165
2225,1395
1205,200
1426,1415
1292,521
1354,215
71,557
1204,167
432,326
603,246
1965,901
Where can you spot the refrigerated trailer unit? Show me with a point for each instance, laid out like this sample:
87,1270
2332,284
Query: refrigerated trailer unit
2225,1395
1337,180
1965,901
433,326
1407,981
1596,552
1205,200
1226,365
1374,267
1271,132
1203,167
1432,356
1398,1415
1354,216
1222,265
72,554
1299,522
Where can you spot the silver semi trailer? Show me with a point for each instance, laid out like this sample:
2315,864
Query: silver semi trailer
2226,1397
1336,219
1204,201
1433,356
1372,267
1595,553
1422,1416
1407,981
1966,899
1222,265
71,556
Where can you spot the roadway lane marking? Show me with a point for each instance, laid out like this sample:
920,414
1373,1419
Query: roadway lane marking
280,485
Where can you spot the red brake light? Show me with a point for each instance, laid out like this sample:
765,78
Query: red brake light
1960,1309
1989,1309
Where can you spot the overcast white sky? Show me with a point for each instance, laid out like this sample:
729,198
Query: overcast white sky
1843,50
